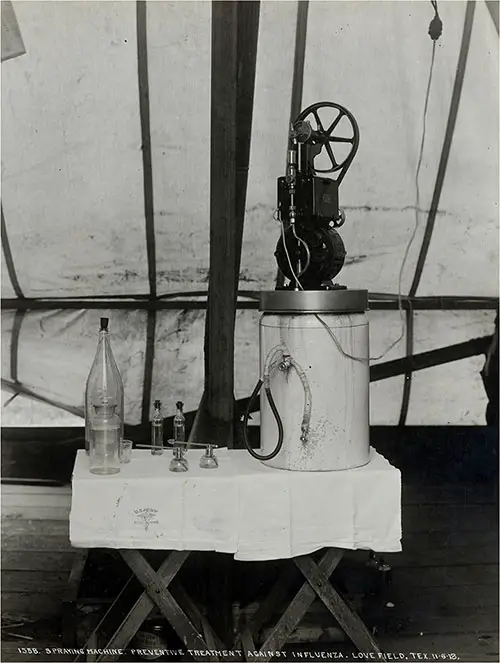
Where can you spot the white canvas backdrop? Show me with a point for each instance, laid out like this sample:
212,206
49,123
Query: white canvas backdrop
73,200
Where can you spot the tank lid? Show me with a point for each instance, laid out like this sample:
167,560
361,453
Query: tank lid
314,301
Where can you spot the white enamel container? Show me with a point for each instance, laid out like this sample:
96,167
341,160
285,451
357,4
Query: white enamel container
332,366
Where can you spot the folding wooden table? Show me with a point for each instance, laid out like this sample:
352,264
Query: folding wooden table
243,508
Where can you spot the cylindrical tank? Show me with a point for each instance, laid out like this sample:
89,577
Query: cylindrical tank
314,348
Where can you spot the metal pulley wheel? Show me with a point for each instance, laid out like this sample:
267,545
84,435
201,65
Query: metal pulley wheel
312,125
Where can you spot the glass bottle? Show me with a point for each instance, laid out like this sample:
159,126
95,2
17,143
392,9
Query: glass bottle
151,640
157,431
179,423
104,383
104,439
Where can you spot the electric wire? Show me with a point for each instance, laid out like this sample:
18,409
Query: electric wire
408,245
299,285
417,209
308,252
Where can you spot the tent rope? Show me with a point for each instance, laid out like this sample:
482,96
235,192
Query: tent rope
9,262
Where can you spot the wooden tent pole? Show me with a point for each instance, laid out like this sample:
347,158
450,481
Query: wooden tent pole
219,328
248,30
234,48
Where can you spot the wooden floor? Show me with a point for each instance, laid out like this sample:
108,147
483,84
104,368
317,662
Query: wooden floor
445,583
443,598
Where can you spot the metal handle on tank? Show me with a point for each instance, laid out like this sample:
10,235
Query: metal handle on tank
274,409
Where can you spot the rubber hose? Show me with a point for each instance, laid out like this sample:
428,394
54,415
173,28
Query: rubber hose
275,412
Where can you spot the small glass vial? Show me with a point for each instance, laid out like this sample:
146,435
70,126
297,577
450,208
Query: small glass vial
105,425
157,431
179,423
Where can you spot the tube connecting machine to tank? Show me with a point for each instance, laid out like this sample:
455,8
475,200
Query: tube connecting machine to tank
314,358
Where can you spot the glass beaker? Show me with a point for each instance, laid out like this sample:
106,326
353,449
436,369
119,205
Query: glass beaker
105,425
125,451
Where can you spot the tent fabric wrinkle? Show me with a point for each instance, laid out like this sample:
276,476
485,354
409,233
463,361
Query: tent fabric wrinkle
105,209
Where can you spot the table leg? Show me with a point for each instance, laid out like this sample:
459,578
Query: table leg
108,623
70,600
273,600
347,618
196,616
91,645
157,591
297,608
247,643
115,635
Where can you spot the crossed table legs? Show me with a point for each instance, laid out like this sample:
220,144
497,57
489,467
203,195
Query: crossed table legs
317,584
127,613
130,610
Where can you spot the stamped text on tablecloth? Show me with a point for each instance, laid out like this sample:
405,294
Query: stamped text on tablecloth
146,517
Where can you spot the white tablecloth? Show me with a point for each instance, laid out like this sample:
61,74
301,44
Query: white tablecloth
243,507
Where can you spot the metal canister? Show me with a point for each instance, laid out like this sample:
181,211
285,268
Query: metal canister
324,345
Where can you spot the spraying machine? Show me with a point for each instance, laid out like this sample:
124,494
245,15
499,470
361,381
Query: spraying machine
314,359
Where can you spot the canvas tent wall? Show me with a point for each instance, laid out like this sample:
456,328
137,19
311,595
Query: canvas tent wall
76,241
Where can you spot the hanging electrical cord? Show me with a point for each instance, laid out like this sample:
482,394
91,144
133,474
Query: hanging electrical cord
436,25
417,199
435,31
308,252
304,244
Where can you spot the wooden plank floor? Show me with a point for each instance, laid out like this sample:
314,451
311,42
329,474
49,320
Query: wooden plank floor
36,553
444,592
443,598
